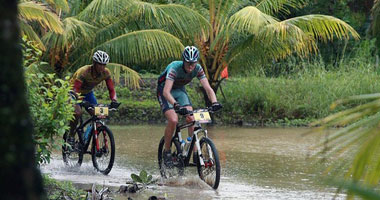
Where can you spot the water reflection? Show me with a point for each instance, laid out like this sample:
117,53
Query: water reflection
263,163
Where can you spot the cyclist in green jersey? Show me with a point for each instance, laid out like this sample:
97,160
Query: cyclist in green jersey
172,95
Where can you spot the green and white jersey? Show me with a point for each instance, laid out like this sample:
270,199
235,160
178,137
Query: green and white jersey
175,71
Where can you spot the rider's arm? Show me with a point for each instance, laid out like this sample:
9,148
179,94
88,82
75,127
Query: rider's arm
111,89
77,85
210,92
168,87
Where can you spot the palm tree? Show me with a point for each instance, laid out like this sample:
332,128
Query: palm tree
239,28
31,12
227,30
136,32
119,28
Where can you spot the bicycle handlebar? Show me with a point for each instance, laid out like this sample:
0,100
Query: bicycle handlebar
89,106
190,112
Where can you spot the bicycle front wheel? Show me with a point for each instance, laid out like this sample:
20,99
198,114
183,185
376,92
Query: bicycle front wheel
210,171
72,153
103,150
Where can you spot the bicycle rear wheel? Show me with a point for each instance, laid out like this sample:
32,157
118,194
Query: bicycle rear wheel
72,155
177,159
103,150
210,172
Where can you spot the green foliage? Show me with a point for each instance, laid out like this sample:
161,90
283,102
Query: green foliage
50,110
143,178
359,189
61,190
306,94
49,105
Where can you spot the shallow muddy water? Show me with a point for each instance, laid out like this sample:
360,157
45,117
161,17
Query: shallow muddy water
257,163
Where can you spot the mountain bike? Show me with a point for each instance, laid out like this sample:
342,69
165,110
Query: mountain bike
98,135
206,157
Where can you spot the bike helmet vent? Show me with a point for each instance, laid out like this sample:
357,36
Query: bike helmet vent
190,54
101,57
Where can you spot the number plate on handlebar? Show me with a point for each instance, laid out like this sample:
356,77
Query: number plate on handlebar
202,116
101,111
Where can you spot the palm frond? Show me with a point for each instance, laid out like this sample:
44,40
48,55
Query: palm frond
375,12
281,39
324,27
31,11
75,33
27,30
360,137
274,41
138,47
76,29
132,78
59,5
119,27
361,190
272,7
176,19
100,11
249,20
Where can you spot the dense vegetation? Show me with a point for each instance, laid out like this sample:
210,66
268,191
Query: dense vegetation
48,102
281,70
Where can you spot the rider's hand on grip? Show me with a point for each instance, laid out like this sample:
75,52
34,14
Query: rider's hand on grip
114,104
85,104
183,111
179,109
216,106
176,106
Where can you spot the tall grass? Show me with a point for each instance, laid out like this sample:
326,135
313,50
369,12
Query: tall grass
304,91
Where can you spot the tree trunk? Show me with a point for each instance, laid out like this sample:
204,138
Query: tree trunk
20,178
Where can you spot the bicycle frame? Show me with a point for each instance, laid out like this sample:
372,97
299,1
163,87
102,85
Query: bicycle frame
195,141
84,144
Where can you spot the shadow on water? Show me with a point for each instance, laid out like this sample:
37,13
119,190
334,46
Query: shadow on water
262,163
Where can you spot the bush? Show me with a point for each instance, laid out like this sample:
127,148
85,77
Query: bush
50,110
61,190
49,105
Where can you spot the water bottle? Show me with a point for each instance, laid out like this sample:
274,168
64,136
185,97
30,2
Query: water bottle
87,133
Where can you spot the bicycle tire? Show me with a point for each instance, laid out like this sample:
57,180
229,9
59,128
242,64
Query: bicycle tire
212,164
176,157
105,152
68,152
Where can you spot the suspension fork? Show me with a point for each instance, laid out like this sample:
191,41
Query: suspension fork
197,144
96,136
96,133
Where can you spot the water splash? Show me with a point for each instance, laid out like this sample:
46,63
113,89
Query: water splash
193,182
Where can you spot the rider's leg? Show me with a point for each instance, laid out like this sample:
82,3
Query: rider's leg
172,118
74,122
190,118
90,97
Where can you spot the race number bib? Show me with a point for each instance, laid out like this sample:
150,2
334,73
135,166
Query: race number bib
202,117
101,111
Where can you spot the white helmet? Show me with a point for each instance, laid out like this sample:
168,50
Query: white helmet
190,54
101,57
